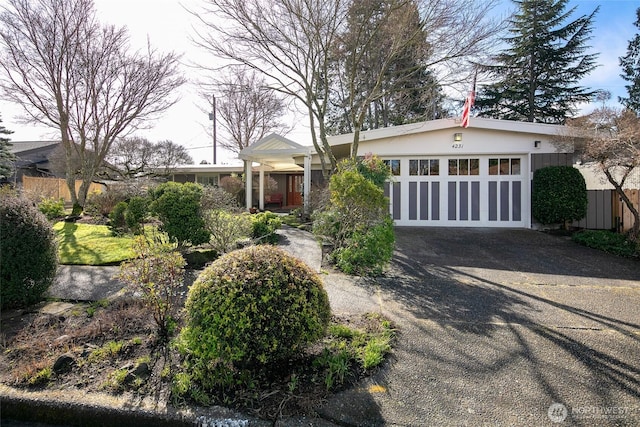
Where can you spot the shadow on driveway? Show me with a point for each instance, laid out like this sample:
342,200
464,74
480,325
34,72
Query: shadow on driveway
501,324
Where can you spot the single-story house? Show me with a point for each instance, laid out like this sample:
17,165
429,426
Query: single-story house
443,174
32,159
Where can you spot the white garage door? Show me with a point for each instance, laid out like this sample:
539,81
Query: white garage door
472,191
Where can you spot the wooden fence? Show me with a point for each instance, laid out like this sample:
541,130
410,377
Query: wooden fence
622,211
53,187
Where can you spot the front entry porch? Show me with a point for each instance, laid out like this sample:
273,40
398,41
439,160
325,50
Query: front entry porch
275,153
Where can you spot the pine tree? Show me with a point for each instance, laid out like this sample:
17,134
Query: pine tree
536,78
630,64
7,158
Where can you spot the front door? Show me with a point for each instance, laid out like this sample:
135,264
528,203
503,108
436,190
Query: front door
294,190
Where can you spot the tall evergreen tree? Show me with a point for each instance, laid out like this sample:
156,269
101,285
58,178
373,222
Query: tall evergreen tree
630,64
7,158
380,65
537,77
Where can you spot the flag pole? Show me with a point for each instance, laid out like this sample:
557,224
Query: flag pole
468,103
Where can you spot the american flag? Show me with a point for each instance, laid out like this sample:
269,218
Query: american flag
468,103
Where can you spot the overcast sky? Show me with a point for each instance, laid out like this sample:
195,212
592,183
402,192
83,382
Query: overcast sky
168,25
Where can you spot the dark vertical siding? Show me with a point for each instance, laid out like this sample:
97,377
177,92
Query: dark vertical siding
539,161
317,179
599,211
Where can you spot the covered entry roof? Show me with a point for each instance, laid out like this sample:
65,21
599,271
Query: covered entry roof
275,151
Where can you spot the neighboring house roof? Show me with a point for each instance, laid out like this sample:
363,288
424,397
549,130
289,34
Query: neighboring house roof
33,153
22,147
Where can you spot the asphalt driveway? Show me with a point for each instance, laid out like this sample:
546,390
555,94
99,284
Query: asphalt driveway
501,328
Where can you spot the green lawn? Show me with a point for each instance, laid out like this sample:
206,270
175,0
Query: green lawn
88,244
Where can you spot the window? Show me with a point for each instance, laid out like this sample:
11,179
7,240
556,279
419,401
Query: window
504,166
207,180
394,165
434,167
424,167
464,166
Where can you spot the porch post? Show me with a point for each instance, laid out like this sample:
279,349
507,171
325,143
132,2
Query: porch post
248,174
306,184
261,184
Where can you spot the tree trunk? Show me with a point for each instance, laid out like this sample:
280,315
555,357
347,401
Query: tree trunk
635,229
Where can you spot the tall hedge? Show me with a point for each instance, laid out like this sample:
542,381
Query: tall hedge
28,253
559,195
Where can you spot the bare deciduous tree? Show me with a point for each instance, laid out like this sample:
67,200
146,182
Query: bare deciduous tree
292,43
611,139
79,77
246,108
288,41
137,157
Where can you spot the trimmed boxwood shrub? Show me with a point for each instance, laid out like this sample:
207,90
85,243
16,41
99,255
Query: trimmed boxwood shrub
559,195
178,207
29,253
249,310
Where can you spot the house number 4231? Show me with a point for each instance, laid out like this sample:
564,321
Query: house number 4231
458,145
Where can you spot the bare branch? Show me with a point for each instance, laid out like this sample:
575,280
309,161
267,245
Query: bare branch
71,73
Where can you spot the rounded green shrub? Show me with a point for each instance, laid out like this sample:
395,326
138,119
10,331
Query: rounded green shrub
248,310
264,226
117,220
178,207
135,213
52,208
559,194
29,253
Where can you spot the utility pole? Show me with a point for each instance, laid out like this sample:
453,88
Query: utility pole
212,116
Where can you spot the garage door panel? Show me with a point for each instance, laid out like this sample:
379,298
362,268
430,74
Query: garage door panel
424,201
435,201
516,202
464,201
413,200
452,197
458,197
475,200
